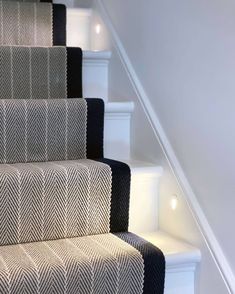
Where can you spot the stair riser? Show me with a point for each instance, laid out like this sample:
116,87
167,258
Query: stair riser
143,203
117,135
117,123
79,18
95,78
180,280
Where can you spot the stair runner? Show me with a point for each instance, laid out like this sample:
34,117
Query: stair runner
40,72
64,208
32,24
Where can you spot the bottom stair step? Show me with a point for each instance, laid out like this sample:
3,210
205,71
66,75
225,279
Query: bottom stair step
182,260
105,263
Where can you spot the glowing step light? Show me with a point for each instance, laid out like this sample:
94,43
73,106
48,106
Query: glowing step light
174,202
98,29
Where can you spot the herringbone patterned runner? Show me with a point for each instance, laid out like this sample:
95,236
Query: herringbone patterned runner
42,130
44,201
26,24
33,73
98,264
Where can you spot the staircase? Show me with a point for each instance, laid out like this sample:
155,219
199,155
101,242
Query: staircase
182,259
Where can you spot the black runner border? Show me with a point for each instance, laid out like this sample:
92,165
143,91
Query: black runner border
120,197
74,72
154,262
59,24
95,127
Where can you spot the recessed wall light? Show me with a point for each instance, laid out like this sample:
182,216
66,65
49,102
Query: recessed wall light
174,202
98,29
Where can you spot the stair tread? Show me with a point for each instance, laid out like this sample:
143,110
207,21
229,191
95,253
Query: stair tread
119,107
144,167
175,251
92,54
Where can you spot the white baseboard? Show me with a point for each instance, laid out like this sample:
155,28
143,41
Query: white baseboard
197,212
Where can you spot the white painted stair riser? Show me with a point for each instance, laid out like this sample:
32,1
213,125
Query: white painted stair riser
144,196
78,28
117,130
95,74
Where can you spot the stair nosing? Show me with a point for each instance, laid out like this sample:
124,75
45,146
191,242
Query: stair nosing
187,255
119,107
96,55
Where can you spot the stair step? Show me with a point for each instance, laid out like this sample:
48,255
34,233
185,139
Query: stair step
103,56
176,252
182,260
95,74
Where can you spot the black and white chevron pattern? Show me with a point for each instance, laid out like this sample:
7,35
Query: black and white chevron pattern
42,130
52,200
97,264
47,130
33,72
26,24
42,201
40,72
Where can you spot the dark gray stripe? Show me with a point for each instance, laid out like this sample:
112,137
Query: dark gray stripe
95,128
121,177
74,76
59,25
154,262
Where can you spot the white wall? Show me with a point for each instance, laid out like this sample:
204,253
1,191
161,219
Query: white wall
184,54
145,146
